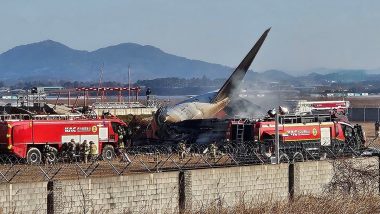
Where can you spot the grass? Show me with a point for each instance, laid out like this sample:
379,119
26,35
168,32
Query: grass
327,203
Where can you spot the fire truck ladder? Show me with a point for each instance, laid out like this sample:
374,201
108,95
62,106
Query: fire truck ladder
240,130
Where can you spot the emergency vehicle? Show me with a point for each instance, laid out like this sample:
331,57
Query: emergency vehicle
297,133
27,138
311,133
300,107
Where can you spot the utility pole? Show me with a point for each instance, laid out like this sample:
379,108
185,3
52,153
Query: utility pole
129,84
100,84
277,137
68,98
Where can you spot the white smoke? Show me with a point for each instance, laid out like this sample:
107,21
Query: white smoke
254,103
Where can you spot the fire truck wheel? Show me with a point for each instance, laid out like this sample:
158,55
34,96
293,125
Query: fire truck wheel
108,152
33,156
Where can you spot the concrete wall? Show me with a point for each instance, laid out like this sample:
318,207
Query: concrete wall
169,192
139,193
23,198
312,177
232,185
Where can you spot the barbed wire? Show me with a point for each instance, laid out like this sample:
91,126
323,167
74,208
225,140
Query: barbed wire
159,158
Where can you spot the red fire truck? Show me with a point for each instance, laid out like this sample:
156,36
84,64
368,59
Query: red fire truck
297,133
305,107
27,138
307,133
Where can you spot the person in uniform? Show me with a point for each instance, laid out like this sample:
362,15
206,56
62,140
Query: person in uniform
93,150
213,149
71,149
147,93
64,147
226,146
85,151
77,148
182,149
46,152
71,146
121,132
377,129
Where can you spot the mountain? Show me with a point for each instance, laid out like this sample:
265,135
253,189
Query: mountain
346,76
47,60
275,75
325,77
50,60
342,76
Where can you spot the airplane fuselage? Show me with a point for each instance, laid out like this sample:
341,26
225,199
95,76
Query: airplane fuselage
198,107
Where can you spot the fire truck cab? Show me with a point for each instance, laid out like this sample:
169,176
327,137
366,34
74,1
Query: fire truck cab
27,138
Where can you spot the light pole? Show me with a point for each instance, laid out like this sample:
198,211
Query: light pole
277,138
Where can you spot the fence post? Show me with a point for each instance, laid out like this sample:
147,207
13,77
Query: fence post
50,198
349,114
54,198
378,161
364,114
291,181
185,197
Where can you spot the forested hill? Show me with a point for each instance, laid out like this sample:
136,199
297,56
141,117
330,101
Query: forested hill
50,60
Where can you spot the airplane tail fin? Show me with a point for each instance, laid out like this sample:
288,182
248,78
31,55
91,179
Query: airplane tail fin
239,73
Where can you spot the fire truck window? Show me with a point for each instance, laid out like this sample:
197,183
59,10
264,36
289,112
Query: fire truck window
115,127
268,138
347,130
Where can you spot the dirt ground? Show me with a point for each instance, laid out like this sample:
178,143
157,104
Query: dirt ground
369,129
14,173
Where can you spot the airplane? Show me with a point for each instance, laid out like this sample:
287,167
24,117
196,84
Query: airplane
207,105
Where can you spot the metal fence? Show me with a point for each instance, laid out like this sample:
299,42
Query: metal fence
370,114
150,159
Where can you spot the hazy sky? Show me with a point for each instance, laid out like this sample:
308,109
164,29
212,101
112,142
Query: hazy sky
305,34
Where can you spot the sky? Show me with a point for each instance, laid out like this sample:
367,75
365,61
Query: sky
305,35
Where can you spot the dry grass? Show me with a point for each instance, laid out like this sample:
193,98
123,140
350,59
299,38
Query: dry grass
368,127
304,204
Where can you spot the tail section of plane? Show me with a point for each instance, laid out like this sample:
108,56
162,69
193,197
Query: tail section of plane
237,76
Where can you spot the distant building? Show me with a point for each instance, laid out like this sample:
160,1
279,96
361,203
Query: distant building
335,95
9,97
316,95
4,90
357,94
48,89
